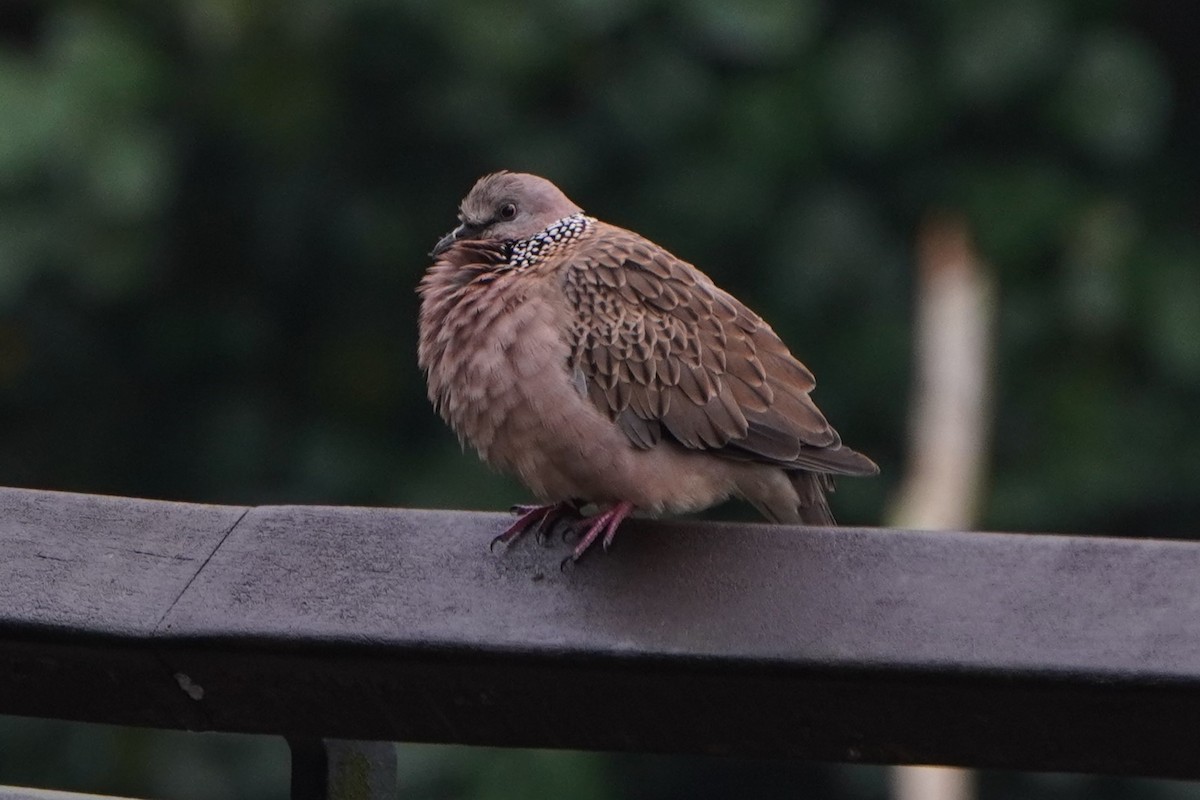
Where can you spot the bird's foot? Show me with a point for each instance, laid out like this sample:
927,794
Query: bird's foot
603,524
539,519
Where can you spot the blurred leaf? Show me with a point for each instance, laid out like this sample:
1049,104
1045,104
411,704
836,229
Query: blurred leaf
874,93
1021,209
100,67
753,31
24,236
1173,312
507,42
598,16
26,121
128,175
1115,98
994,50
660,100
833,236
770,127
1097,264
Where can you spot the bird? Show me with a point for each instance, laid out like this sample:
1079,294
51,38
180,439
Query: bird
607,374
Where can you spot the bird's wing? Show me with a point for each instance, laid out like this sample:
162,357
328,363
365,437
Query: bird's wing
664,351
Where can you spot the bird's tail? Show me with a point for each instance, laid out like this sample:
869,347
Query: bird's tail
814,506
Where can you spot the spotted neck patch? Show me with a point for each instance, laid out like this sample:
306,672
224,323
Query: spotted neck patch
527,252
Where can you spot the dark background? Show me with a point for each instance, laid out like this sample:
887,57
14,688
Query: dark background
213,214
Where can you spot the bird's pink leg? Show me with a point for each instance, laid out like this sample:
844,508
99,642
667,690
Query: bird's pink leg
606,523
534,518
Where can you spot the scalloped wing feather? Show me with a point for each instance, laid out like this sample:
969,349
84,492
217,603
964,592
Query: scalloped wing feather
664,350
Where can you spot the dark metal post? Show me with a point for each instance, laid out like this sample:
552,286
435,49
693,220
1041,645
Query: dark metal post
335,769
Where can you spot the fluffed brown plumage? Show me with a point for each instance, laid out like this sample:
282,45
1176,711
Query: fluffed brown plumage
599,368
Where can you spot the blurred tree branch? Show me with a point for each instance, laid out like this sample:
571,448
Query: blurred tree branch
950,421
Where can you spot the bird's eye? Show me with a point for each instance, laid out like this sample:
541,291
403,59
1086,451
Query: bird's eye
508,211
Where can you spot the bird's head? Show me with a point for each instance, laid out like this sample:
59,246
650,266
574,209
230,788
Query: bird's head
507,206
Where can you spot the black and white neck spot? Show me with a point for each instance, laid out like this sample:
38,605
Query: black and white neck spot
527,252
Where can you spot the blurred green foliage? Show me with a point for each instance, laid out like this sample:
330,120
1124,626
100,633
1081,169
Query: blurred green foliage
213,214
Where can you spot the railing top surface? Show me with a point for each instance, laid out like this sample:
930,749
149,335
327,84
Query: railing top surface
390,623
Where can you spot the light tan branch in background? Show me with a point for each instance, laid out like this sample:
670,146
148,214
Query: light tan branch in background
950,423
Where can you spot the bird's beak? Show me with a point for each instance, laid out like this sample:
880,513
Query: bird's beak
462,231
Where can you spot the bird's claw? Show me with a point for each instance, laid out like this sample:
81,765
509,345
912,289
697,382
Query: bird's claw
539,519
543,520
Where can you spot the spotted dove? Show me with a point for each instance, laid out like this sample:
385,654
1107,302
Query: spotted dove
600,369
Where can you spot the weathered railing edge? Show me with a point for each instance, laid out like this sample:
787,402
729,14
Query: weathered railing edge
217,566
325,646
